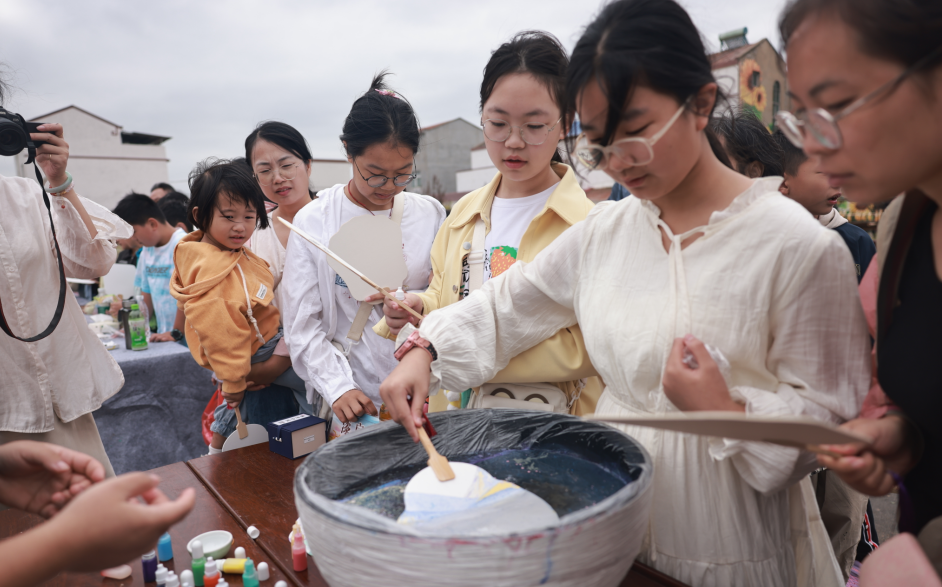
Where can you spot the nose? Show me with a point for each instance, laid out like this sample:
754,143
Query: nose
812,147
614,166
515,140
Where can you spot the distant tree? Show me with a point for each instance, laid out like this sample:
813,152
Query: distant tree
436,188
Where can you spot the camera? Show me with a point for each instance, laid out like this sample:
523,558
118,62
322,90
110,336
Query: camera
14,135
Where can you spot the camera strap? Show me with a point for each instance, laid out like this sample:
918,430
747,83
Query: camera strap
62,283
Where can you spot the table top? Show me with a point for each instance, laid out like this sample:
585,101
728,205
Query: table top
247,487
207,515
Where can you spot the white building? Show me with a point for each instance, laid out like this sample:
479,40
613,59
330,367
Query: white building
597,184
106,161
327,173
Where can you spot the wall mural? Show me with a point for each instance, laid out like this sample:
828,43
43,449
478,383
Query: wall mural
750,87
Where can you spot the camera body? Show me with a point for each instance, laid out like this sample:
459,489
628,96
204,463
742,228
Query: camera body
14,135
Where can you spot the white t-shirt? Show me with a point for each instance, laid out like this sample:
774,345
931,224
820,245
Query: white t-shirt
154,269
510,218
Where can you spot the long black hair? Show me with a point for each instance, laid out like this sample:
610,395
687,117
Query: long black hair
285,136
641,42
536,53
749,141
379,116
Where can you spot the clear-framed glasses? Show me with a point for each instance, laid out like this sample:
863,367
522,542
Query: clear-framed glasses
378,181
629,152
287,172
532,133
823,125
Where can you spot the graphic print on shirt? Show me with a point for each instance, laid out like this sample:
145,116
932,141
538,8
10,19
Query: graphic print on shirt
497,260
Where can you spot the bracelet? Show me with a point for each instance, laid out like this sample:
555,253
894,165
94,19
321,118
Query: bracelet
65,191
59,189
415,341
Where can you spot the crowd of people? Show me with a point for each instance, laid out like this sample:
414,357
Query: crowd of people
729,243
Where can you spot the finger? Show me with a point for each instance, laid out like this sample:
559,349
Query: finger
676,355
345,414
131,484
165,514
51,127
844,449
84,464
370,407
358,408
699,350
154,496
397,403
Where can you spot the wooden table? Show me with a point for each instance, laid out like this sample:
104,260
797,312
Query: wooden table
248,487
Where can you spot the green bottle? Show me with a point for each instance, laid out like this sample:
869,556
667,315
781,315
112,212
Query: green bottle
249,576
138,327
199,563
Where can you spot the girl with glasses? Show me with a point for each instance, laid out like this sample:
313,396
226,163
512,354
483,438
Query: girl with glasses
700,260
381,137
866,79
532,199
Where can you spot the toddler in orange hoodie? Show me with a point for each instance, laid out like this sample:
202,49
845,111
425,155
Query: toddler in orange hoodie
225,291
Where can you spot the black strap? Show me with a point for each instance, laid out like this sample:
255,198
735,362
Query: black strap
62,287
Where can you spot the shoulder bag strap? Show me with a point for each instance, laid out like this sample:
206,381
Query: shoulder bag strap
476,257
62,287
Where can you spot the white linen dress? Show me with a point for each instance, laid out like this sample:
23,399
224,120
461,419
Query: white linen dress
767,285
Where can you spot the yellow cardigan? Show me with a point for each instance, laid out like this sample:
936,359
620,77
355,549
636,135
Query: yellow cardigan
562,358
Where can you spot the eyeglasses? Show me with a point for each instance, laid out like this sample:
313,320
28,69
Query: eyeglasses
532,133
629,152
378,181
823,125
287,172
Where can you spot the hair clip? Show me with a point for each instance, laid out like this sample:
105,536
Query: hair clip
389,93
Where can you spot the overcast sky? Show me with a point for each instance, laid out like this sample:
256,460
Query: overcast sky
205,73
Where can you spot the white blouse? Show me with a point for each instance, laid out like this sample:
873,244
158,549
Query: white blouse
266,245
768,286
69,373
318,308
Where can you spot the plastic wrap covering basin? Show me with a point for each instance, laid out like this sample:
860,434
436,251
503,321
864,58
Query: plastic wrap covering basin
594,544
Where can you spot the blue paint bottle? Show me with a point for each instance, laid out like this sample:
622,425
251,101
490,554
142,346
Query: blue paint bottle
164,548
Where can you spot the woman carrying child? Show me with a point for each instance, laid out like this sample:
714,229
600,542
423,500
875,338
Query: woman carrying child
280,160
226,292
531,201
699,255
381,137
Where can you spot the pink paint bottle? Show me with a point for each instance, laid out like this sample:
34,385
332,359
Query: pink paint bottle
298,552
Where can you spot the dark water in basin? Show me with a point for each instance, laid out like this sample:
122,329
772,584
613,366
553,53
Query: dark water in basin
567,482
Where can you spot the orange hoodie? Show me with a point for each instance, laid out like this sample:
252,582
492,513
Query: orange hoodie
209,286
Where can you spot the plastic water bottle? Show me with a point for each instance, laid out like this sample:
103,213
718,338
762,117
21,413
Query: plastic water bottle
139,329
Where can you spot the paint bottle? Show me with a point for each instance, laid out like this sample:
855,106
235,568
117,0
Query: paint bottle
249,577
400,295
222,583
239,552
172,580
199,563
262,571
149,565
186,578
298,553
164,548
231,565
161,576
281,584
210,573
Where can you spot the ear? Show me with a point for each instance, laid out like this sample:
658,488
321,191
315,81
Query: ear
784,187
349,157
754,170
308,168
194,213
702,104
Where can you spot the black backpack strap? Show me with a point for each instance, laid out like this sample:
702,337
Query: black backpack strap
62,283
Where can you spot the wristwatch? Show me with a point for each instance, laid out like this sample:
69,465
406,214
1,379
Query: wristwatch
415,341
176,334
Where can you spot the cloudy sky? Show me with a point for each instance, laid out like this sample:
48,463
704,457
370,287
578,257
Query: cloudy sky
205,73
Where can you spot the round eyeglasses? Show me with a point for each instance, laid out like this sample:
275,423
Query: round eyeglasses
823,125
532,133
629,152
378,181
287,172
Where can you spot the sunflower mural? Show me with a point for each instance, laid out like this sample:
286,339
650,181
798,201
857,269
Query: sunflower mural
750,87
